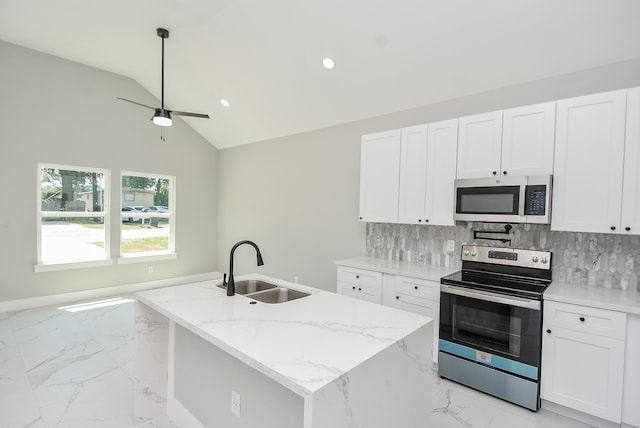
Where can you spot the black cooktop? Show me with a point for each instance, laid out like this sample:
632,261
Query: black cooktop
512,285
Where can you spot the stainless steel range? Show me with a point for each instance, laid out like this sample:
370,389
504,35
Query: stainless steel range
491,322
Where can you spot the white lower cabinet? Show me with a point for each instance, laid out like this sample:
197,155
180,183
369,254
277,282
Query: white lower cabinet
415,295
583,352
631,395
361,284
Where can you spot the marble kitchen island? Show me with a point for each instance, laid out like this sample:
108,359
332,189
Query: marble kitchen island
321,361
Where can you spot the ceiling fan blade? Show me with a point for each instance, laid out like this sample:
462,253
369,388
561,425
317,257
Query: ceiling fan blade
133,102
184,113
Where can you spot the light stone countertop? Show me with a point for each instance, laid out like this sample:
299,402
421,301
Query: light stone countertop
394,267
303,344
597,297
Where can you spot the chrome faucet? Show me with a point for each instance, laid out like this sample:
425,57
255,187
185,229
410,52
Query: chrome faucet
231,285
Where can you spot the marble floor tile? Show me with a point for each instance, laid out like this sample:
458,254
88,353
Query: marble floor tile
75,370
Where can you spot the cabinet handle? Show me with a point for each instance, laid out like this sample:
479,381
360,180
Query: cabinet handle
426,220
419,220
357,276
354,287
360,218
581,319
613,228
397,297
415,286
359,289
627,228
549,330
494,173
504,172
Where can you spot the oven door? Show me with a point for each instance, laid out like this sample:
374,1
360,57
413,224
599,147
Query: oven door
493,329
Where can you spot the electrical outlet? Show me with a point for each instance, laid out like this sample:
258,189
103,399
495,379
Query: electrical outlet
421,258
150,269
451,246
235,403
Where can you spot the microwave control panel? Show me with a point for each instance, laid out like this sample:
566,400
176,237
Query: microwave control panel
535,200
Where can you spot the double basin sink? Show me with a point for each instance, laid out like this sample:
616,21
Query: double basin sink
266,292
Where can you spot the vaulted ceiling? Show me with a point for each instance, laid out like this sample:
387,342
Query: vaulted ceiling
265,57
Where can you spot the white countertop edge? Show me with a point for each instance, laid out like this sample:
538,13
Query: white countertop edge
396,267
596,297
278,377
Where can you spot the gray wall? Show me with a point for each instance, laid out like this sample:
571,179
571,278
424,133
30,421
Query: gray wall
57,111
298,196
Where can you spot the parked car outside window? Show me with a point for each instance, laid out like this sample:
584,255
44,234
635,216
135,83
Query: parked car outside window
132,209
156,209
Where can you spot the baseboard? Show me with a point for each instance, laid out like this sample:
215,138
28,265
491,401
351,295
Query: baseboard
56,299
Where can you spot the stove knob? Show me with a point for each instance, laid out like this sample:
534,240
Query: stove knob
534,259
473,253
544,260
466,252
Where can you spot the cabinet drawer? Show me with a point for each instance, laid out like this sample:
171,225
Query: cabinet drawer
360,277
418,288
586,319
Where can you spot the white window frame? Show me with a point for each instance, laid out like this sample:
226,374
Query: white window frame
53,266
170,253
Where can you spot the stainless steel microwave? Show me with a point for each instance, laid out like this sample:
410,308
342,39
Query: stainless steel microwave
504,200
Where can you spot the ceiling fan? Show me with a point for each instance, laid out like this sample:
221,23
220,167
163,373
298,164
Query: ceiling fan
162,116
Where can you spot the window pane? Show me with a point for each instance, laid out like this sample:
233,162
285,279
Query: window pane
70,190
72,205
147,215
72,239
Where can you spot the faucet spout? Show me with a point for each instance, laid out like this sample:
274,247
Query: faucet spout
231,285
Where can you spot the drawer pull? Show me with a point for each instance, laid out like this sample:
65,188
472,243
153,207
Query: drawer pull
397,297
581,319
354,287
357,276
549,330
359,289
415,286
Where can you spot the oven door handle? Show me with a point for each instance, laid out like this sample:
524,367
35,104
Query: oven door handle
491,297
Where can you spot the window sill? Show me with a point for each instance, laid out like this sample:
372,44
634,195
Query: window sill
147,257
71,265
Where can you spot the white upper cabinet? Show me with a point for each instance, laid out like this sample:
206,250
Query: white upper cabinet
427,172
527,140
380,176
413,174
441,172
630,219
514,142
479,145
588,165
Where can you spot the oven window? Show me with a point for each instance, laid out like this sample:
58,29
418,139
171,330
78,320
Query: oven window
498,331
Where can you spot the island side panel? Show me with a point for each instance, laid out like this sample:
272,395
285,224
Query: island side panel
391,389
205,375
151,344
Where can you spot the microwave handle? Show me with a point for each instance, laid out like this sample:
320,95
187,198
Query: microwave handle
523,191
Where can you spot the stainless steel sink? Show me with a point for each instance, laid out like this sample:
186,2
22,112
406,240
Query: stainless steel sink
278,295
251,286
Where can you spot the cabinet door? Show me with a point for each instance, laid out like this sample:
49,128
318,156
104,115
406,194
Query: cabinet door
528,134
441,172
589,150
630,219
583,371
479,145
631,394
413,174
379,177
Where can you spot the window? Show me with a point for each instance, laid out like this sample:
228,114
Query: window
147,215
73,215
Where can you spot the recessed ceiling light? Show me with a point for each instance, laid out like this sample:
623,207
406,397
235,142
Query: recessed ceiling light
328,63
224,102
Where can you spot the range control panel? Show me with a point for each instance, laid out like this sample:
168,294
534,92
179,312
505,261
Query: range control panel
507,256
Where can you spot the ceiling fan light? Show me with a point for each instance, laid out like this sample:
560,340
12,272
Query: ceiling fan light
162,118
